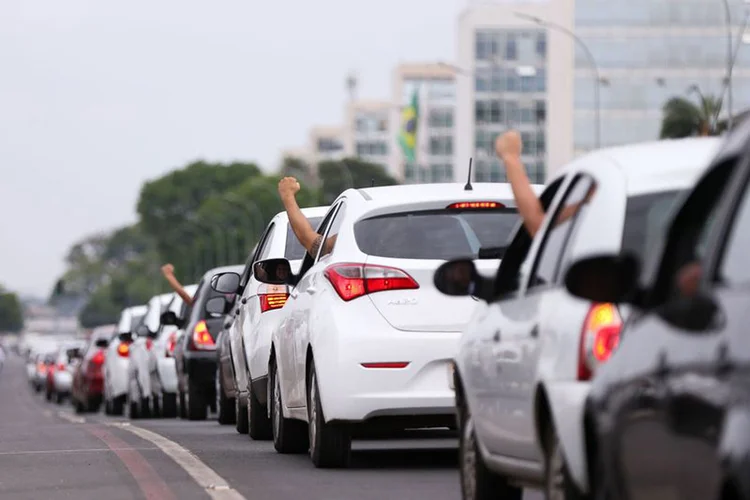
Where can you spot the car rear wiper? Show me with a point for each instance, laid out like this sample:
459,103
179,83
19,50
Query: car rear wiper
491,253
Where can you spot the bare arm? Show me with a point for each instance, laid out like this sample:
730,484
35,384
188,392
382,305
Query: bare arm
303,230
168,272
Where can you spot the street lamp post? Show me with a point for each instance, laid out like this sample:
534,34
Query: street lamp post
730,61
592,62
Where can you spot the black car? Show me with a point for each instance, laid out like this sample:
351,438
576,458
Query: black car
668,416
195,353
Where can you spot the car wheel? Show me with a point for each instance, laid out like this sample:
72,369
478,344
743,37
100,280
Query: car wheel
477,481
48,395
118,405
168,405
93,404
107,407
257,415
227,406
240,415
182,413
133,410
197,409
79,407
330,444
558,485
289,435
59,398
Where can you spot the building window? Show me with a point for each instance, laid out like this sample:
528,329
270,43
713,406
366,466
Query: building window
329,145
528,83
409,172
483,46
441,172
511,48
540,108
371,148
482,112
541,80
541,45
442,145
441,118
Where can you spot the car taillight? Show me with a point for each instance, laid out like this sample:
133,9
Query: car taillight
171,343
599,338
149,343
355,280
123,349
61,366
477,205
98,358
202,337
272,297
41,367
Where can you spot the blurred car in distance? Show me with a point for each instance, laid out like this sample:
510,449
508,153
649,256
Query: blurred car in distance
117,359
87,392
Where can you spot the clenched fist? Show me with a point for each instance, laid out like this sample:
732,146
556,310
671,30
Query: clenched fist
509,145
167,270
288,186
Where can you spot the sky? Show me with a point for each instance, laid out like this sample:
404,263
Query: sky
96,97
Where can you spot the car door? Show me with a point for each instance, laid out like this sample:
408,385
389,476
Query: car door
295,324
670,406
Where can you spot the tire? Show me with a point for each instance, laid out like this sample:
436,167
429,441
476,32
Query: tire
197,409
93,404
477,481
118,405
226,406
240,415
558,485
182,413
79,407
289,436
168,405
145,408
48,395
134,412
257,415
330,444
59,398
107,407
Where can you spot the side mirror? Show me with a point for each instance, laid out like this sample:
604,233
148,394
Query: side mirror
216,306
168,318
459,278
101,343
694,314
604,278
226,282
273,271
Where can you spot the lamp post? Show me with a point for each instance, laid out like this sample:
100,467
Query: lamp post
589,56
730,61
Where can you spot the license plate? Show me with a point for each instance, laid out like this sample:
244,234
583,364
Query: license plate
451,380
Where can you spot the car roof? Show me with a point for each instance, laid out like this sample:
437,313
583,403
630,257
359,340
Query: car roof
439,192
656,165
135,310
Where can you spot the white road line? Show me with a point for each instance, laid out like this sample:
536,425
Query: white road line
207,478
82,450
71,418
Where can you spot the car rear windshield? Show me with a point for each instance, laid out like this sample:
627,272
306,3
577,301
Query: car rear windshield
294,250
645,217
435,234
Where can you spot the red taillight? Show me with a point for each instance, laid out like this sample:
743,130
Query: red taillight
397,365
171,343
98,358
202,337
599,338
272,297
41,367
463,205
355,280
61,366
149,343
123,349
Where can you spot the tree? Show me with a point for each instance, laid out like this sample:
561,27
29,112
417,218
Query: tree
683,118
296,167
11,312
337,176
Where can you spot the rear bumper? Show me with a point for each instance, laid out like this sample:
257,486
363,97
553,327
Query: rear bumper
167,374
63,381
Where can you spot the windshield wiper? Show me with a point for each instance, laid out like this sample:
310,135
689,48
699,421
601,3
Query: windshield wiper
491,253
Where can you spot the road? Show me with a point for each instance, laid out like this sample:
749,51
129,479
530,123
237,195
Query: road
47,452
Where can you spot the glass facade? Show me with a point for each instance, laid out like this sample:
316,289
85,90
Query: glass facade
648,52
371,136
435,153
510,84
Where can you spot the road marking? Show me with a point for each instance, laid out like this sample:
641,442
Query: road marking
73,419
82,450
216,487
149,481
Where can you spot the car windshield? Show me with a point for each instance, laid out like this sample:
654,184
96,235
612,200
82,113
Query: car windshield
294,250
435,234
645,217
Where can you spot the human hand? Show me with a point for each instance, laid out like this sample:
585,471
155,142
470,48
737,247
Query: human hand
509,145
288,186
167,270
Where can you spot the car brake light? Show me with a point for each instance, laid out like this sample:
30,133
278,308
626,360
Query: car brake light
599,338
61,366
202,337
171,343
463,205
123,349
41,367
396,365
149,343
355,280
272,297
98,358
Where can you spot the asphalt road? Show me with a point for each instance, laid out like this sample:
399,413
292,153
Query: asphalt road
47,452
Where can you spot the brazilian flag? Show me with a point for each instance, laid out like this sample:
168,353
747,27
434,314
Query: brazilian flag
408,135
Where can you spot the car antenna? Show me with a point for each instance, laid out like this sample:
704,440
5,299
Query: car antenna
468,186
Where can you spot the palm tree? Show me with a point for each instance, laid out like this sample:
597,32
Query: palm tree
683,118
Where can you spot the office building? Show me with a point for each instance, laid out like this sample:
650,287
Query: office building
367,131
514,73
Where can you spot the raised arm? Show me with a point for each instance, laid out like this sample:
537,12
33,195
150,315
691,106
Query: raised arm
305,233
168,271
508,147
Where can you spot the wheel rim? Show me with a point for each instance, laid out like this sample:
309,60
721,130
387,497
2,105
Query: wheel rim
276,403
469,461
556,475
313,424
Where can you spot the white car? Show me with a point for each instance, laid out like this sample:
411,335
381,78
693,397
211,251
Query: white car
67,360
117,360
524,364
259,311
366,339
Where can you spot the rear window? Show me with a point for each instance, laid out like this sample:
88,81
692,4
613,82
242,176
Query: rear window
435,234
294,250
645,217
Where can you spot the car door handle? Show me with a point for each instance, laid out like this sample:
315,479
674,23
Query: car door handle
312,290
534,331
496,336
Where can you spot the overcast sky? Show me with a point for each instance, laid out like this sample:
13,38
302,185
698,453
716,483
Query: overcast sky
98,96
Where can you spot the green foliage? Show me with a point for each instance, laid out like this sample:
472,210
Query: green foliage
683,118
296,167
11,312
338,176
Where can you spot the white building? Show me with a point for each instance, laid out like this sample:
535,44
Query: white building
367,131
514,73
